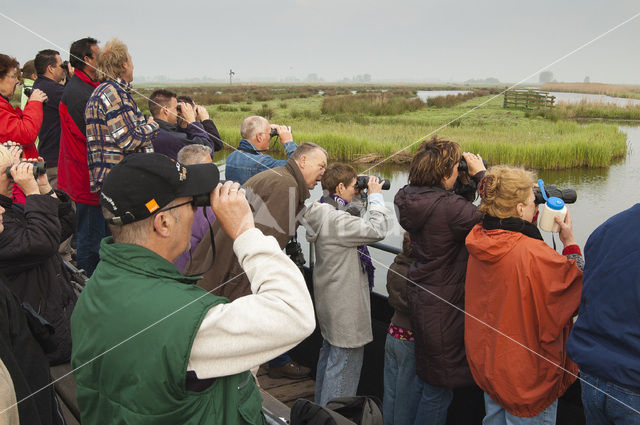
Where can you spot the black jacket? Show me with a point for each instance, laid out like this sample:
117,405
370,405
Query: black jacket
49,144
24,359
29,258
438,222
212,133
75,96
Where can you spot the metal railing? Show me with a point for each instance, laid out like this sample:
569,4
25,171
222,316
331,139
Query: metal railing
377,245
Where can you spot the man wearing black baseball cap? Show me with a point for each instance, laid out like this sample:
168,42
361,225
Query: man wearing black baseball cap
149,346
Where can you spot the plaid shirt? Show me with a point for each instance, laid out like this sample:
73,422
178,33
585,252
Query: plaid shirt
115,128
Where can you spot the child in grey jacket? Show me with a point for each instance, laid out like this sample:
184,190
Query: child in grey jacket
343,277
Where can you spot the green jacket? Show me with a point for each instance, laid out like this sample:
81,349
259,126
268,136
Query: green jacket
24,98
132,331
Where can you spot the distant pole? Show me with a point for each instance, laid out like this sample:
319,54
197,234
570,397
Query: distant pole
231,73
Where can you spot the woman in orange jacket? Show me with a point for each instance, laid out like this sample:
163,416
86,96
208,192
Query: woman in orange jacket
521,296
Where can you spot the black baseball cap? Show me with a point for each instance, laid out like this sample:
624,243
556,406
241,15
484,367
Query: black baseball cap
143,183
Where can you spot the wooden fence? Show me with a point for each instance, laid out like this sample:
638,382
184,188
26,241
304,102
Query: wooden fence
528,99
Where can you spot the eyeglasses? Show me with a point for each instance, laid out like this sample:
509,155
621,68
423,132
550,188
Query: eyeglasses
192,202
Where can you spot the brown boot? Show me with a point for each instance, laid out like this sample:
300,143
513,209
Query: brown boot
291,370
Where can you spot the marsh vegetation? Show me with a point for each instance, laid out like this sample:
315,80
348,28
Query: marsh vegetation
378,122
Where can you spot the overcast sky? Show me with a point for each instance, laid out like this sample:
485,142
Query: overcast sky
401,40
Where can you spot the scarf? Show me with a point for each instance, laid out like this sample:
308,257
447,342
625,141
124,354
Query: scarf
363,252
513,224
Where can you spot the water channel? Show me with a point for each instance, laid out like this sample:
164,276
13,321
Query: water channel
426,94
602,192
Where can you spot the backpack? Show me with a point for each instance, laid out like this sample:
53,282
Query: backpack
362,410
359,410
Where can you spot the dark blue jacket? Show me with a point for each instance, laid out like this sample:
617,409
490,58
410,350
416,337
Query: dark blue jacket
605,341
170,139
49,145
212,134
246,162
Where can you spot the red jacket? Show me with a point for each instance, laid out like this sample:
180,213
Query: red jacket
520,287
21,127
73,166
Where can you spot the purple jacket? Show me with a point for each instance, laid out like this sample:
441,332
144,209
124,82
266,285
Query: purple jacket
199,228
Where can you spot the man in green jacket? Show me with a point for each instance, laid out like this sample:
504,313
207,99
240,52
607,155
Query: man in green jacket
151,347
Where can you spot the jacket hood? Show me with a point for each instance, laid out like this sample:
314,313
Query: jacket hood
491,245
314,218
413,208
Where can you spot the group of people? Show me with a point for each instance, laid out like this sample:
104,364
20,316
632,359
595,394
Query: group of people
190,289
480,299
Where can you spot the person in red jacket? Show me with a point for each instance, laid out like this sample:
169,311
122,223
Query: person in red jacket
73,166
521,296
16,125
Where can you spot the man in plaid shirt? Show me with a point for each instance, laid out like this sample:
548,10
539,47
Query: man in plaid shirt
115,125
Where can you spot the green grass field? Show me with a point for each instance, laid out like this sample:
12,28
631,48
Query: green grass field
352,126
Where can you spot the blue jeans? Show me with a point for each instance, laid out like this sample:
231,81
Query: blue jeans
280,361
338,372
602,405
400,397
496,415
433,403
92,227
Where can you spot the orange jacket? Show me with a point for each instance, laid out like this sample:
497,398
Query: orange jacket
522,288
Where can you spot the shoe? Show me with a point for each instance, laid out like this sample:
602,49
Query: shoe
291,370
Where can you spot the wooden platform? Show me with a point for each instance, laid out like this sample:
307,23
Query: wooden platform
286,390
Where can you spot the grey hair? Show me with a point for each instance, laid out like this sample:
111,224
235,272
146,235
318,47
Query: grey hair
135,233
251,126
5,157
193,154
305,149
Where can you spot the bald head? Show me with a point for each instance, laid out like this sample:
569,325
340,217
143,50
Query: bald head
253,125
312,162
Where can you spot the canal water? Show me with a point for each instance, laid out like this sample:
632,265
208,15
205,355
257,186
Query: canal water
602,192
426,94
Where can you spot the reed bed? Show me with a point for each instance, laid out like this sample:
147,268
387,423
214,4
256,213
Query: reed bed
370,104
454,99
596,110
614,90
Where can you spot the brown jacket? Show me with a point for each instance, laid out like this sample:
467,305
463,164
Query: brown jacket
397,289
277,200
438,221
